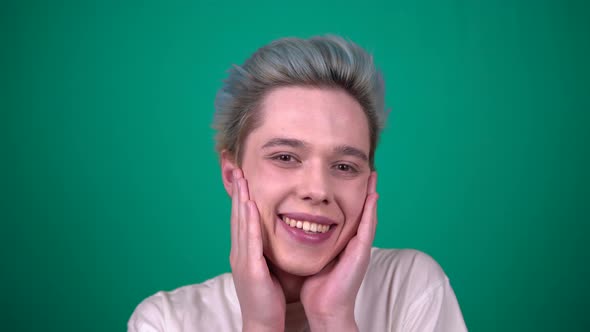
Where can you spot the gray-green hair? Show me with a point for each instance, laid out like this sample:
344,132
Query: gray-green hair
326,61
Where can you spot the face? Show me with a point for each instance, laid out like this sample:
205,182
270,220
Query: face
307,170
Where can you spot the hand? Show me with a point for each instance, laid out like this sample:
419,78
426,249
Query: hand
329,296
261,297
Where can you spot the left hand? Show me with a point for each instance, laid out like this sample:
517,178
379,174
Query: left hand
329,296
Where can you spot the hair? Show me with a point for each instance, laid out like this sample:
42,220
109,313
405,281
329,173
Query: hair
323,61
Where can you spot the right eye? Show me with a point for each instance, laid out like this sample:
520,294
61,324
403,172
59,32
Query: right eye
285,159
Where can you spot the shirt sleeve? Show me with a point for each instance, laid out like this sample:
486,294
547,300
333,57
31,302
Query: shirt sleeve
436,310
147,317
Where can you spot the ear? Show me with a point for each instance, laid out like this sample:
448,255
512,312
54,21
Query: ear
228,165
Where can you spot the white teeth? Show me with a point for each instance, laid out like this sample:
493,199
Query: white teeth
307,226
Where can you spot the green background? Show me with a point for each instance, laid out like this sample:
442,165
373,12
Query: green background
111,188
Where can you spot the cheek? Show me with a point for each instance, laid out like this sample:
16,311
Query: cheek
353,201
265,187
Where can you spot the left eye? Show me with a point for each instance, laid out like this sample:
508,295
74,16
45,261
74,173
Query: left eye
345,168
284,158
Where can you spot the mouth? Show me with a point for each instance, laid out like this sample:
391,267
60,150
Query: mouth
314,226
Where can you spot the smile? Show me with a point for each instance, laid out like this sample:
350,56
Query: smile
305,225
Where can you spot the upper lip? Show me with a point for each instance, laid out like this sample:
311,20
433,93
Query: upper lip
308,217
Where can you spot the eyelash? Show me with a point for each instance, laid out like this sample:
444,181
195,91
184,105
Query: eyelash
279,158
349,169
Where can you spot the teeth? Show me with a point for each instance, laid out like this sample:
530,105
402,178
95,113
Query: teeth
313,227
307,226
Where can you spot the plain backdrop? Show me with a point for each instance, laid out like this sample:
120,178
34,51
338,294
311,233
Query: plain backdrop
110,183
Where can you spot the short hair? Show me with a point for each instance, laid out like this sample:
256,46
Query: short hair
323,61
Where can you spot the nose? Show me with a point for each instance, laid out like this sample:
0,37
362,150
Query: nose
314,185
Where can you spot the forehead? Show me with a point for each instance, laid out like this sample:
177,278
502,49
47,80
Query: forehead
320,116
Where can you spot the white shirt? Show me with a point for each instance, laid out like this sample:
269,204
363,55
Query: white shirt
403,290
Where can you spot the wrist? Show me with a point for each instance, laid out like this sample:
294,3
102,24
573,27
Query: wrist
258,327
344,323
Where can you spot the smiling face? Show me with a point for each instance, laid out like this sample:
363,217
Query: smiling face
307,170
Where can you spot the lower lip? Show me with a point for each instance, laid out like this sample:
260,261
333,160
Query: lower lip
304,237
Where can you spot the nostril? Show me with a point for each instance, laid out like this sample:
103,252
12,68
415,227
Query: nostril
316,200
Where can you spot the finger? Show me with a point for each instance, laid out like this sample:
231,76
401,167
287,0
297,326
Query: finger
242,221
254,231
243,199
368,223
244,194
234,214
372,183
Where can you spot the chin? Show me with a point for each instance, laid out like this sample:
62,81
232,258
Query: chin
298,266
302,270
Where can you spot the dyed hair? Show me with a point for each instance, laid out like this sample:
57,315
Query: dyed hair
324,61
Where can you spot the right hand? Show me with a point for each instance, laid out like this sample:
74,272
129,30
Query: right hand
261,297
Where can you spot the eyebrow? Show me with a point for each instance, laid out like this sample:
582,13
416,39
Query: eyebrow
279,141
348,150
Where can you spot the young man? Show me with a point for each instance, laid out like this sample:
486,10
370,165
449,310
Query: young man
298,124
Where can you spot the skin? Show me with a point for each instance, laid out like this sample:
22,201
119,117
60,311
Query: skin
309,156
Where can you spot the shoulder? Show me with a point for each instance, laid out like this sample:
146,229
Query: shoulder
405,273
406,264
170,310
407,290
396,278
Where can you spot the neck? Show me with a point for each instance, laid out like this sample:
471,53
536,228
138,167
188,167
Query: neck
290,283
